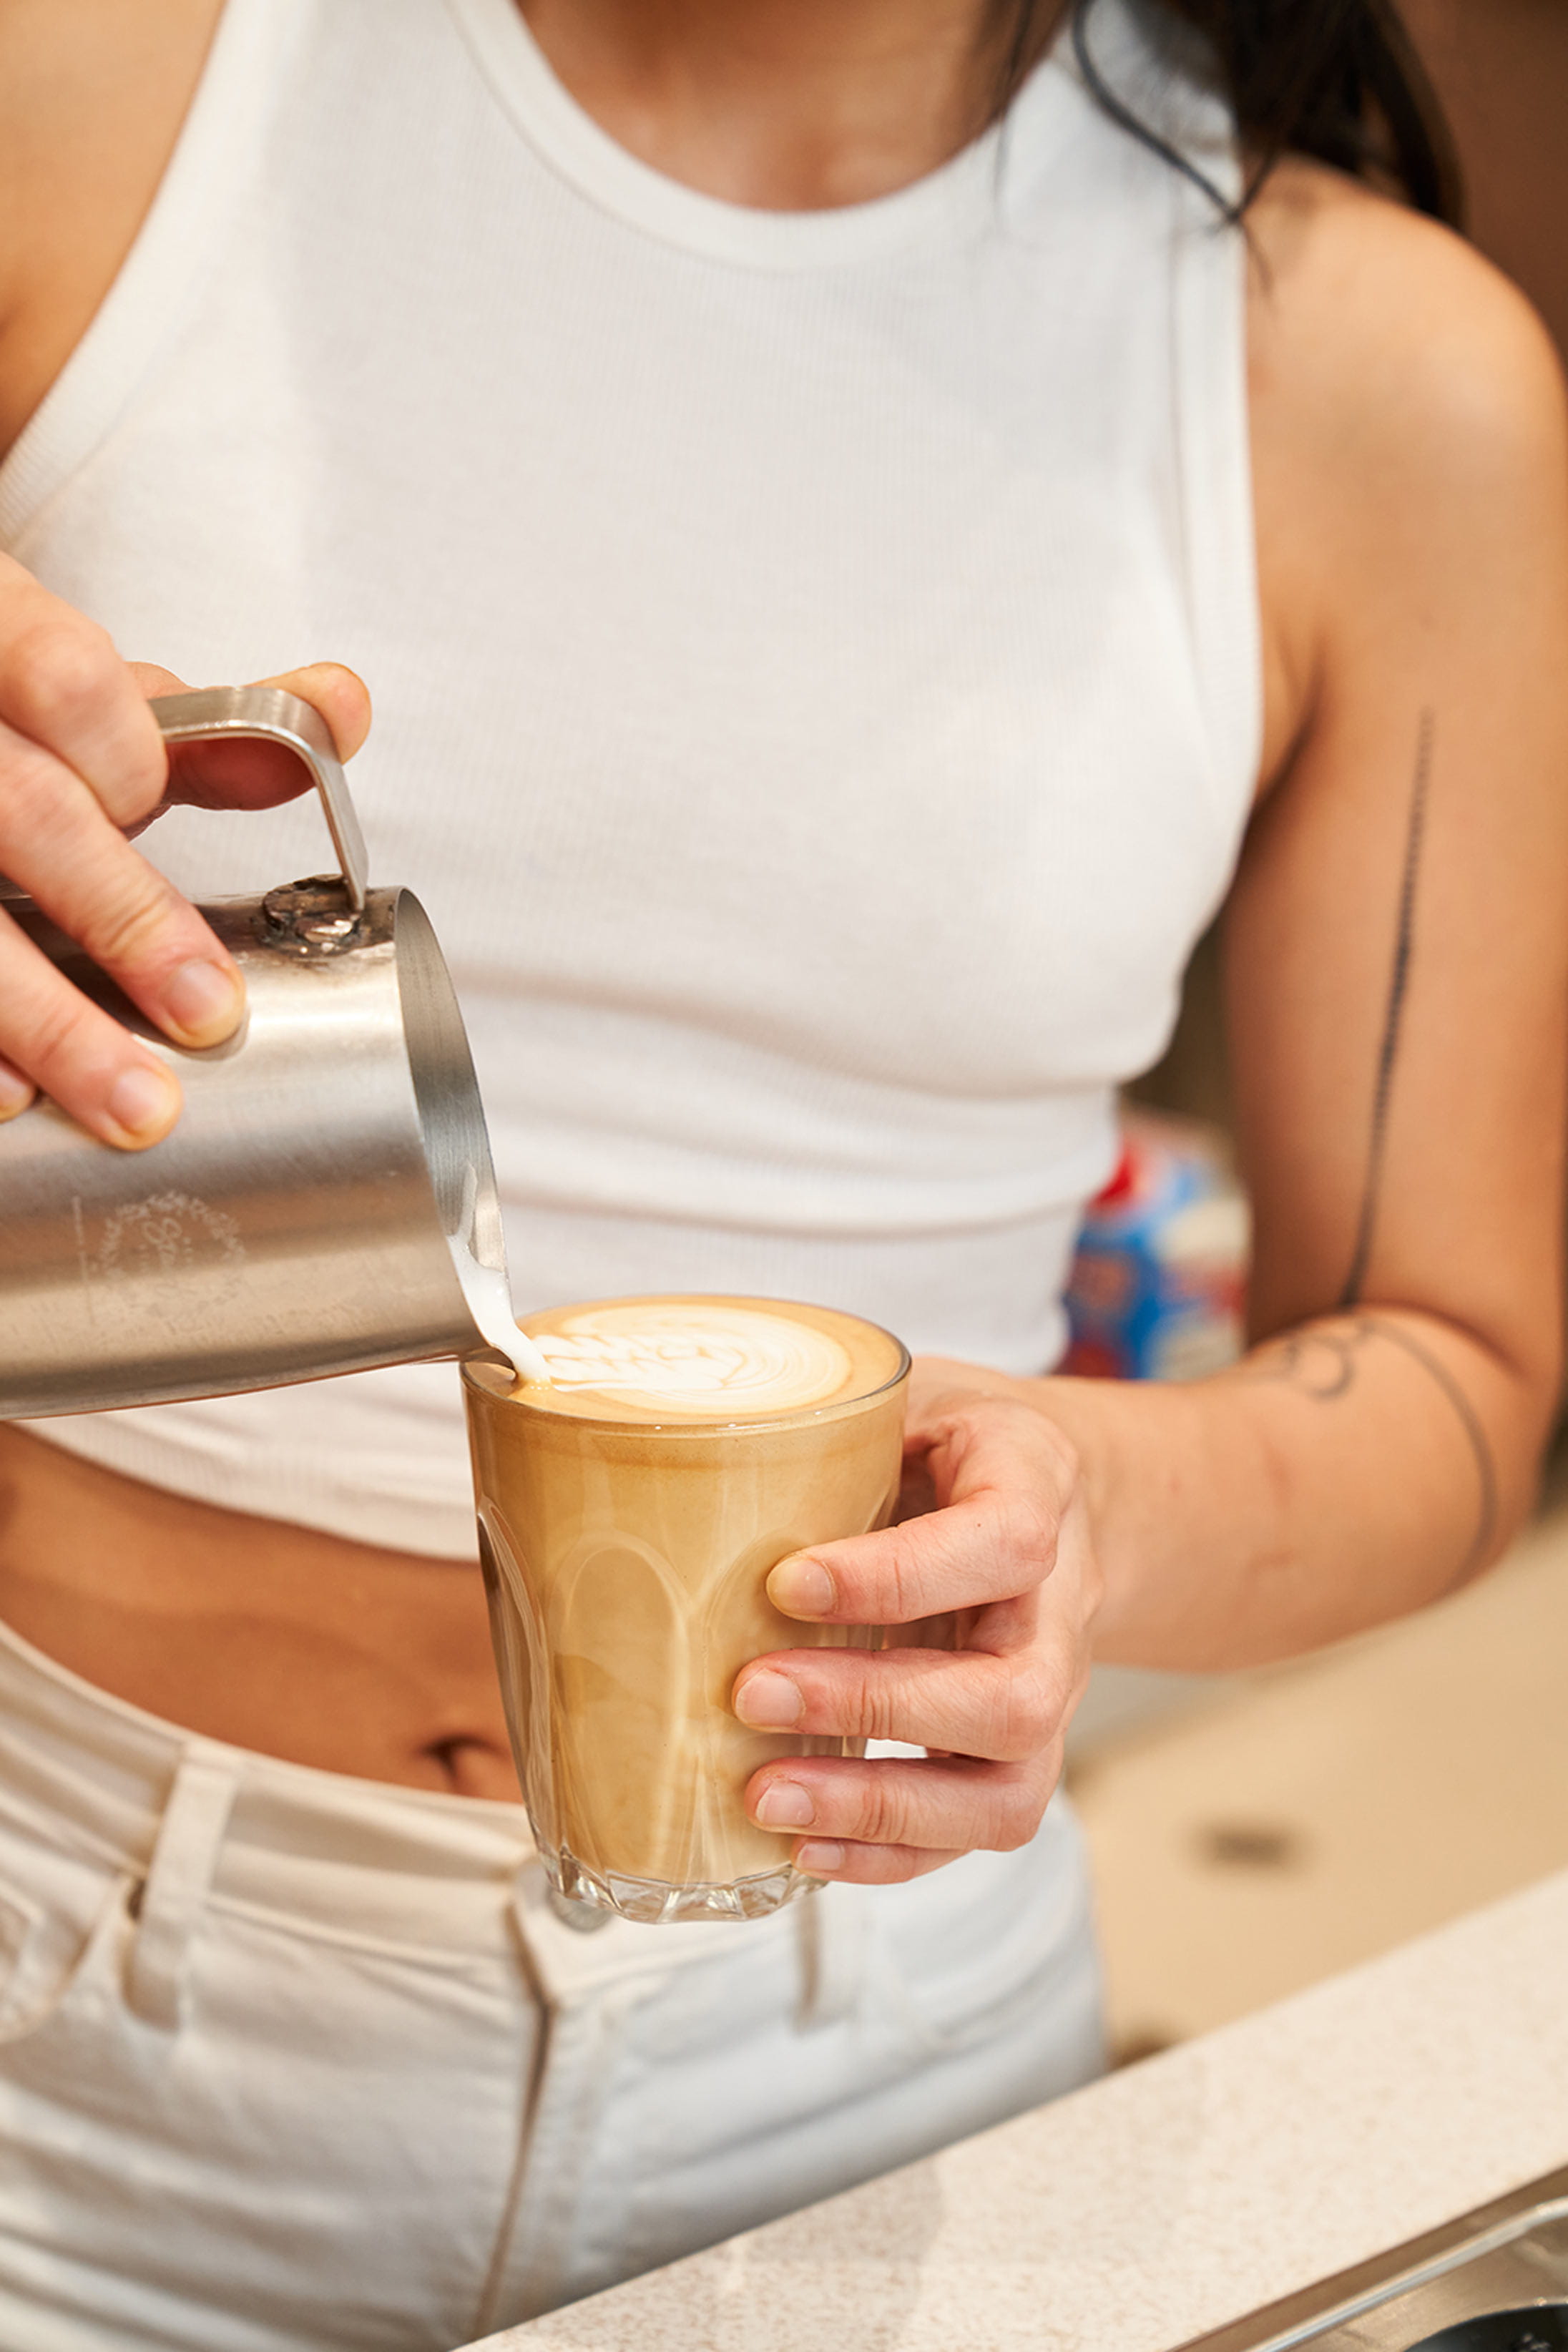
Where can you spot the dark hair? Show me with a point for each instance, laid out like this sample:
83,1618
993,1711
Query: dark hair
1339,79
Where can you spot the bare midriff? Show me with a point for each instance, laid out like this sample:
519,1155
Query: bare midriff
277,1638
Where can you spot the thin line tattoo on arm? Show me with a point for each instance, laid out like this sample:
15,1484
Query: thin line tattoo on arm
1388,1048
1322,1362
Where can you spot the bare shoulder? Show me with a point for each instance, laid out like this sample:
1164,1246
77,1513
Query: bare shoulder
1407,409
92,96
1373,316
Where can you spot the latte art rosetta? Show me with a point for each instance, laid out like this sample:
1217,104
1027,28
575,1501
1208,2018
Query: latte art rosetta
721,1361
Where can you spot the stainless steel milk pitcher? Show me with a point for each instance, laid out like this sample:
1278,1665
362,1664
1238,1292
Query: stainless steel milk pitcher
326,1202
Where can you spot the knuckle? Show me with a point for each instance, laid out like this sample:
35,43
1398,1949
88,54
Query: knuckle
57,1027
124,928
1033,1703
1018,1812
1027,1530
142,780
877,1709
65,679
32,787
900,1579
880,1813
64,669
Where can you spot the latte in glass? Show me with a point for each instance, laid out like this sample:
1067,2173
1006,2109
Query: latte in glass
629,1512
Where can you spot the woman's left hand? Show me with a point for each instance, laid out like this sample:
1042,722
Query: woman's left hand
1001,1554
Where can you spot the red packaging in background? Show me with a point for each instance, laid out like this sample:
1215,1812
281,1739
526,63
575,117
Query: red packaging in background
1159,1282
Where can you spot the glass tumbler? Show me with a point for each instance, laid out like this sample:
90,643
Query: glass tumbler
625,1565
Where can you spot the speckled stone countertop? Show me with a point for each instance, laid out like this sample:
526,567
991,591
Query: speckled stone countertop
1171,2198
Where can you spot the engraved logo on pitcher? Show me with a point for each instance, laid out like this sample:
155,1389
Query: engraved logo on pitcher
173,1254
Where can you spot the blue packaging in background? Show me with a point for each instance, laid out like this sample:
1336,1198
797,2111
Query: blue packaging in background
1159,1282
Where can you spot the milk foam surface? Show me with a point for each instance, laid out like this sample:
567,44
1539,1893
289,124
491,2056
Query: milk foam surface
698,1360
704,1358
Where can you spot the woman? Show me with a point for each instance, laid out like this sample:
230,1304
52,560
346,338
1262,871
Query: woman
847,536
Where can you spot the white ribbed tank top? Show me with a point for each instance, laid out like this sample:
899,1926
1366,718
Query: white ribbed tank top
814,658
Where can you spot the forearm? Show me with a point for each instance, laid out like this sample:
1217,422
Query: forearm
1344,1472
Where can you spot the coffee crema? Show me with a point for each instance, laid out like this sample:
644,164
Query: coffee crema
704,1358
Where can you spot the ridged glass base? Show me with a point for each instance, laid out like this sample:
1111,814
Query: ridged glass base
654,1903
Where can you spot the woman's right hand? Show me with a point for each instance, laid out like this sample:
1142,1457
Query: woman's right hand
82,767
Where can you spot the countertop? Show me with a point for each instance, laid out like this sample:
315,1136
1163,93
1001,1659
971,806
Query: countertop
1173,2196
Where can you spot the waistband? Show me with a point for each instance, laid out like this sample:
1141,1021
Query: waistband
453,1880
85,1771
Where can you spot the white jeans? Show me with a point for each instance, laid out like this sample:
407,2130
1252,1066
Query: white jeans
291,2061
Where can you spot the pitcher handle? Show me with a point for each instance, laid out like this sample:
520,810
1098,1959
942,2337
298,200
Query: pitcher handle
267,714
270,714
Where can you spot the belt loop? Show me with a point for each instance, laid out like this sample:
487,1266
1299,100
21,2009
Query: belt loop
834,1932
174,1892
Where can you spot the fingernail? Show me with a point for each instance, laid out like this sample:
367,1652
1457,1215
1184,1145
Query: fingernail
785,1805
769,1702
801,1588
202,999
819,1855
143,1102
15,1092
